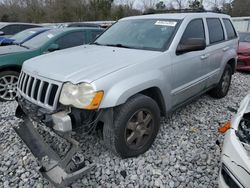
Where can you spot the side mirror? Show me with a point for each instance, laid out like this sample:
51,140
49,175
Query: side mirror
190,45
1,33
53,47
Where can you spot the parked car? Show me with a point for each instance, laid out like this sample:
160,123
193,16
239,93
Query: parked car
138,70
244,52
235,157
99,24
7,29
12,57
23,36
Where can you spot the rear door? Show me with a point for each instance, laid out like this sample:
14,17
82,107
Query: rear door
216,49
187,68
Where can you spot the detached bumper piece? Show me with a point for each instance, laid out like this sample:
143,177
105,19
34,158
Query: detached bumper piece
229,178
60,172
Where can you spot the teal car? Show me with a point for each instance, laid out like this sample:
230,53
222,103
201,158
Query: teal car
12,57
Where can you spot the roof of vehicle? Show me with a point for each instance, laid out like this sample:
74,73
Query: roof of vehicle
37,29
64,29
58,31
177,16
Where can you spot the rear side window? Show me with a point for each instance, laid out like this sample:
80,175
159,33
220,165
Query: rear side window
71,40
11,29
216,33
24,27
195,29
231,33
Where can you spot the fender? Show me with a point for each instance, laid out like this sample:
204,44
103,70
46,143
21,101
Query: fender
231,54
123,89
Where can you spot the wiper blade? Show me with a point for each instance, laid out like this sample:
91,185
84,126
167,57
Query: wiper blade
96,43
18,44
118,45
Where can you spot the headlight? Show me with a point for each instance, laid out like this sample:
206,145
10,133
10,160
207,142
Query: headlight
81,96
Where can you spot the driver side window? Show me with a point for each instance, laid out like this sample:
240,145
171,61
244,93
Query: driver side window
194,30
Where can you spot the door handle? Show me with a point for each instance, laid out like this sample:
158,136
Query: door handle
225,49
205,56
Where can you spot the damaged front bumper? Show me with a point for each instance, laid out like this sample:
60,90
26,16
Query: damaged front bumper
60,171
235,161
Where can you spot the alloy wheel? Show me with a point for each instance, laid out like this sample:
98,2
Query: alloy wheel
225,81
139,129
8,87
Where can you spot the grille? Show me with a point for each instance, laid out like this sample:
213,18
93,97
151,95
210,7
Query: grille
38,90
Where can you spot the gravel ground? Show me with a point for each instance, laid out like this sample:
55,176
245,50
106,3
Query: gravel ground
185,154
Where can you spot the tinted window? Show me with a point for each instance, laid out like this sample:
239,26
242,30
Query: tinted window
95,34
231,34
195,29
71,39
244,37
215,29
24,27
11,29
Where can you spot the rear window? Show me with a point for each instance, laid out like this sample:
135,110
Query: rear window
231,33
216,33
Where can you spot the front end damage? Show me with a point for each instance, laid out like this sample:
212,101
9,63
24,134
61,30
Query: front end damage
235,168
60,170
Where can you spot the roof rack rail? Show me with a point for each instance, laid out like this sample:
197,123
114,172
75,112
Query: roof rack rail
198,10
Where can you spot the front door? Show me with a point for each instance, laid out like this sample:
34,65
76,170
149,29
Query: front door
188,79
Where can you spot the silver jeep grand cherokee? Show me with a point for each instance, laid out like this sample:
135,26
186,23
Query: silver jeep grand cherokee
140,69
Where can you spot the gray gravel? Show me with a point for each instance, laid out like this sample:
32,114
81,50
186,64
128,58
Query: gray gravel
185,153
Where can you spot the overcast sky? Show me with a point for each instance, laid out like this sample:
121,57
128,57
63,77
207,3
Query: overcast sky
139,4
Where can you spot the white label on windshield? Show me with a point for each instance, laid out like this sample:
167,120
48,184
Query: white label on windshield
32,32
166,23
50,35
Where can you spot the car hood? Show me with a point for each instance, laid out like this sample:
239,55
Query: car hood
85,63
244,47
4,50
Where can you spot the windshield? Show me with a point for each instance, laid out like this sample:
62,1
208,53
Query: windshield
2,25
147,34
244,37
23,35
41,39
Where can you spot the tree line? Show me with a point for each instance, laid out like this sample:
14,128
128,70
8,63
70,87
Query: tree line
38,11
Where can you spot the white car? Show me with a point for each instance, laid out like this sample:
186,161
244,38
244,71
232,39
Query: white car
235,165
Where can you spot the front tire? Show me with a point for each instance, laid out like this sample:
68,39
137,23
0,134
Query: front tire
222,88
135,127
8,85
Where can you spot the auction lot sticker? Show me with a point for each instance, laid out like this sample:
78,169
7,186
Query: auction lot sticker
166,23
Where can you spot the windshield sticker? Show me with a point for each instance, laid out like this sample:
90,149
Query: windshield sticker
166,23
50,35
32,32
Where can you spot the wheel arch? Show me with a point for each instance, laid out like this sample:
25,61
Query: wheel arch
155,94
232,63
11,68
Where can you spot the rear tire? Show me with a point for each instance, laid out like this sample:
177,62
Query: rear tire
8,85
135,127
222,88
